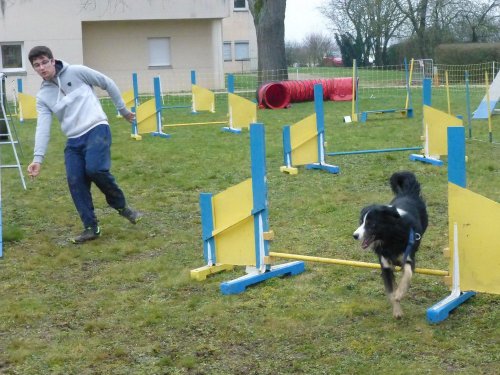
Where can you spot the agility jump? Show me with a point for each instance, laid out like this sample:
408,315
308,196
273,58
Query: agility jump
473,237
235,227
362,115
435,125
304,142
241,112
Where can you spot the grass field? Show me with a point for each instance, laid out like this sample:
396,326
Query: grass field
125,303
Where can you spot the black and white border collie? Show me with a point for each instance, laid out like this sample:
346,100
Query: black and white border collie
394,231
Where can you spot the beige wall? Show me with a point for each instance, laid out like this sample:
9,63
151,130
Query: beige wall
193,46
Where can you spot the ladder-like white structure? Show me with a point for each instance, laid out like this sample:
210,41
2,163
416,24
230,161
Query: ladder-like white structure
6,139
4,119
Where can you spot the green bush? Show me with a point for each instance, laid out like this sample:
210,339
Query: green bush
467,53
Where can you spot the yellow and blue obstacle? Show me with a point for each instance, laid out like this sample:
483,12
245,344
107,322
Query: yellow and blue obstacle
435,125
235,227
304,142
148,114
241,112
202,99
473,239
362,116
131,97
26,104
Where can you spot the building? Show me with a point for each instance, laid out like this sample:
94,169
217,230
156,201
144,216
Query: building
118,37
240,39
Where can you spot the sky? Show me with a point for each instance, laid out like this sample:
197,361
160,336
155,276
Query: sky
302,18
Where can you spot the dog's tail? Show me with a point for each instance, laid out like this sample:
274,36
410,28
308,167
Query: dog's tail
405,183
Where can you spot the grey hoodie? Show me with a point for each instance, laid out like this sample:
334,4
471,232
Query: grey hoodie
70,96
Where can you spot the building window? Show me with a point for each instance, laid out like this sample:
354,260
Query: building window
228,55
159,52
241,51
11,58
240,5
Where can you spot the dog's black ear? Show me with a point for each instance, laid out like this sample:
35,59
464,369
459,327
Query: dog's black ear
391,211
365,210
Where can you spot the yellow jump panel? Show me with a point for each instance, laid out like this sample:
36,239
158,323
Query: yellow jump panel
234,225
478,222
436,124
203,99
304,141
128,98
27,106
242,112
146,117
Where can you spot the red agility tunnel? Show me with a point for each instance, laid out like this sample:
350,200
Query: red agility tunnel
342,90
277,95
274,95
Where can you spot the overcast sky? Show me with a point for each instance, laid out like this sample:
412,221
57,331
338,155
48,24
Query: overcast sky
302,18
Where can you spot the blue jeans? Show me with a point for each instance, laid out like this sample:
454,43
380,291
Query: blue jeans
88,159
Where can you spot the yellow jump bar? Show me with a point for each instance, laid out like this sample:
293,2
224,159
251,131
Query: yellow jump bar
425,271
195,123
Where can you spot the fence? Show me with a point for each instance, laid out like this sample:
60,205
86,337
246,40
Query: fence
377,84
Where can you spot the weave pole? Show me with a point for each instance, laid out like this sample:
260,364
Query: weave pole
353,263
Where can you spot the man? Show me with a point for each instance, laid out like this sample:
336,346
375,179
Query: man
67,92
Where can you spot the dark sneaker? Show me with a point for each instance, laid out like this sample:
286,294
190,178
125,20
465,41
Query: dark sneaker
88,234
130,214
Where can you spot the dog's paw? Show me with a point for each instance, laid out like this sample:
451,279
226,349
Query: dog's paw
397,312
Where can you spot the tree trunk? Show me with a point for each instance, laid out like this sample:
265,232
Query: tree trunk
269,20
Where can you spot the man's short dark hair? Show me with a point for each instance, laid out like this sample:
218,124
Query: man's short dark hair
39,51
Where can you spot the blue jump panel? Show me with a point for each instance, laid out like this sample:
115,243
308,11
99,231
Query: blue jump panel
423,159
228,129
324,167
240,284
441,310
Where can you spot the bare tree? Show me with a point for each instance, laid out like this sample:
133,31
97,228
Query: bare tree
269,20
385,22
295,53
317,46
350,17
417,12
372,23
481,19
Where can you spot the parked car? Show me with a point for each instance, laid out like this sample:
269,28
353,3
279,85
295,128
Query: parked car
332,61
